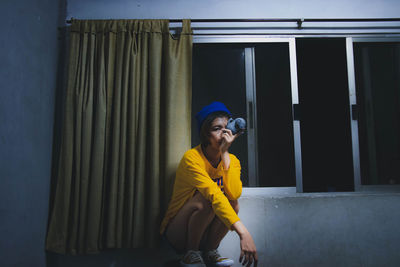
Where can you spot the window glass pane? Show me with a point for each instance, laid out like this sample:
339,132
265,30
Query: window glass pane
378,97
219,75
325,115
274,115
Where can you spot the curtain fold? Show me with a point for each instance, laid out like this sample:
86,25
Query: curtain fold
126,125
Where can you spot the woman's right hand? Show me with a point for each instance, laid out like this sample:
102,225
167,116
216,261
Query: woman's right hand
248,251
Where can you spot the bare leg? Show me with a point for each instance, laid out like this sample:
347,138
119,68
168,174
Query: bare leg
216,231
186,229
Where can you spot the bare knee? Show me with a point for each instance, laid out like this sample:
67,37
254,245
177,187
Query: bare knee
201,204
235,205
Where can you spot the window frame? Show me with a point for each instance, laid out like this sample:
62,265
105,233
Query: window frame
358,186
251,102
251,96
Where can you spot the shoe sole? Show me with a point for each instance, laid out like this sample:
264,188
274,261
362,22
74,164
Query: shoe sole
224,263
182,264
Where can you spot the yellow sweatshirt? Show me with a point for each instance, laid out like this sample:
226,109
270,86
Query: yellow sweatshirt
216,184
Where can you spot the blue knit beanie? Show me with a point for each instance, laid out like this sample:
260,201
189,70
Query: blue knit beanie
207,110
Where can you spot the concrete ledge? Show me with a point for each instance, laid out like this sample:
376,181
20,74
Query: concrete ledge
319,229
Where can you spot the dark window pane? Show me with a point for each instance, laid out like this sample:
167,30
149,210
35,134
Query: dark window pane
274,116
219,75
378,97
325,115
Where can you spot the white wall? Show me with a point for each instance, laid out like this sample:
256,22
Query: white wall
132,9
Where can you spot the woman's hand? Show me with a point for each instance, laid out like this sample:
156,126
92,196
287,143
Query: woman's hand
248,251
227,140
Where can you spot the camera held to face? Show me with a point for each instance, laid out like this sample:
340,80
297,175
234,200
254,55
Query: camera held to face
236,125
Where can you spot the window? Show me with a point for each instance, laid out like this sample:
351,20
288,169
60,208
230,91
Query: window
323,113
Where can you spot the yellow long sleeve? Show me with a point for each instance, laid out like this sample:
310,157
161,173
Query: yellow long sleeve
196,173
232,182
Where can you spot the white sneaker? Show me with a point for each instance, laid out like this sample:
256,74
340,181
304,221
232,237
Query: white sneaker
192,259
213,258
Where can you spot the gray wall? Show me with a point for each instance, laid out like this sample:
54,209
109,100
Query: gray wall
329,229
105,9
28,56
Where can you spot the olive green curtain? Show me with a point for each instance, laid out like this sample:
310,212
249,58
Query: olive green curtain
126,125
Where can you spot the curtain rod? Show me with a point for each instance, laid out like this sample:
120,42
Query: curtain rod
299,21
